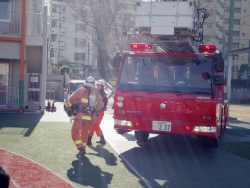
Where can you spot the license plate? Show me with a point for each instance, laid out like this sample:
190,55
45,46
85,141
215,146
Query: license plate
161,126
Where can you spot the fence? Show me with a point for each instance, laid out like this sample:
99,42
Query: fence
240,95
9,97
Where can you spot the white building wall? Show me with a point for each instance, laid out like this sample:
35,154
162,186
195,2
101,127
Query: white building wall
65,35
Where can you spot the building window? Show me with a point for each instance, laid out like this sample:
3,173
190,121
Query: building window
53,37
80,42
80,27
237,22
54,23
237,10
54,9
235,45
63,9
5,10
236,33
243,34
80,56
244,11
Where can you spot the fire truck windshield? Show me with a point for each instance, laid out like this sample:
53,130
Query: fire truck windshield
165,73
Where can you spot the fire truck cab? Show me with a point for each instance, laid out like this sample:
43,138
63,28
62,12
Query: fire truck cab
175,84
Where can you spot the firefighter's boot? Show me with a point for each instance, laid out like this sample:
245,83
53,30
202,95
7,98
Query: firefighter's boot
81,153
102,140
89,143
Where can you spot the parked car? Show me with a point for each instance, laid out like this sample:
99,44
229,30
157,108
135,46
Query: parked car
70,88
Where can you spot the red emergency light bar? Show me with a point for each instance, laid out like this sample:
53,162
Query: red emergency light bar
207,48
140,47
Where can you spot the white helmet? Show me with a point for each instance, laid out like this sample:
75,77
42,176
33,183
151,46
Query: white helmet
101,82
90,82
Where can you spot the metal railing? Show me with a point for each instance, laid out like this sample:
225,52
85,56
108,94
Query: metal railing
9,97
11,22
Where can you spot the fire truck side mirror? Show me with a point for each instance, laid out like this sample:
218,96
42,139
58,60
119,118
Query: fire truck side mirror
219,80
219,66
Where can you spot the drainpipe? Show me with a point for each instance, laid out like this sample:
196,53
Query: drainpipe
21,82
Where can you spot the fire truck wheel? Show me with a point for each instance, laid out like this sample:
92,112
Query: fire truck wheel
141,136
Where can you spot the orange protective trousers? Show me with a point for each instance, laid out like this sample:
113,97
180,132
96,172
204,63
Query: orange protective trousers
95,127
79,131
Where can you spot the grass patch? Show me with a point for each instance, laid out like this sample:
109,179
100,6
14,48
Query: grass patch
50,144
241,149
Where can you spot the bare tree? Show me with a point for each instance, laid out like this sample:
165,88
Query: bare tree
103,25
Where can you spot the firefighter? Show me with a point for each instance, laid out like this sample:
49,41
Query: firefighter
88,101
95,127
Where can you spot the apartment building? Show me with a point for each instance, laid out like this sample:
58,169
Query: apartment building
216,28
241,32
69,43
23,25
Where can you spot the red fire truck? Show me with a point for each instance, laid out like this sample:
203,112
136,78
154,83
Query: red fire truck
175,84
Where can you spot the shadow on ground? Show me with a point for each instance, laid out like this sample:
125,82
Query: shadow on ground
85,173
26,121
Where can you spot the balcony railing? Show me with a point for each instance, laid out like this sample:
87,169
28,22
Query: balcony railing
220,10
219,21
34,23
11,22
218,33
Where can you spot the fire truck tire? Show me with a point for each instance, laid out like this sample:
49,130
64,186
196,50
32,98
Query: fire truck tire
141,136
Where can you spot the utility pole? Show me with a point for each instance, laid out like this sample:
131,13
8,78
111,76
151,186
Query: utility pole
248,66
88,53
230,44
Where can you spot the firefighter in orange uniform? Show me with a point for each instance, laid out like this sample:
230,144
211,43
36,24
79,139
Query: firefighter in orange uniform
95,127
88,101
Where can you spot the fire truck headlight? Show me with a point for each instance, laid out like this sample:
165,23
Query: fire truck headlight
205,129
123,123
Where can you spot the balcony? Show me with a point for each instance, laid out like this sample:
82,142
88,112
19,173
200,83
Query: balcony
220,10
63,17
54,15
209,32
54,45
10,23
63,30
218,33
62,45
54,30
219,21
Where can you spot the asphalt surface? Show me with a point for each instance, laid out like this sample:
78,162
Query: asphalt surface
175,161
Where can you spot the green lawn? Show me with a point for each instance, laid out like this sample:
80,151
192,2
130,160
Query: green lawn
50,144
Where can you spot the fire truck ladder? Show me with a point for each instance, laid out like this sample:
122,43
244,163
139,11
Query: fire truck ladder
174,26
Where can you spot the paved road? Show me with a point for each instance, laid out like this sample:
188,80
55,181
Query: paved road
174,161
